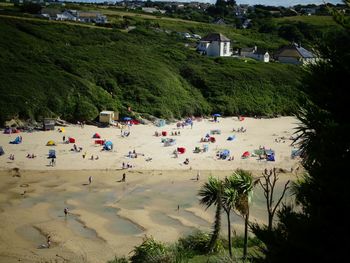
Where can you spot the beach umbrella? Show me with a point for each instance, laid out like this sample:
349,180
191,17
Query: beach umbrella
217,115
127,119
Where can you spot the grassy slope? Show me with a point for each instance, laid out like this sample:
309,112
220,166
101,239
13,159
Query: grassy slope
72,71
320,21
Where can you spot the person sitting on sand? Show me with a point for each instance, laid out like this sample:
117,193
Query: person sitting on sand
187,161
33,156
29,156
96,158
92,157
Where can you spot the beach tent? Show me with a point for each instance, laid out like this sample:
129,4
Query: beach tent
270,157
52,154
8,131
181,150
2,152
231,138
100,142
108,146
160,123
245,154
224,154
96,136
71,140
217,131
16,141
169,142
50,143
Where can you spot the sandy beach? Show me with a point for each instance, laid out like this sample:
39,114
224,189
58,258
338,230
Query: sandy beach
109,217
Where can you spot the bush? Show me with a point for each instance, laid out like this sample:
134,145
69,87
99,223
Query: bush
149,251
198,243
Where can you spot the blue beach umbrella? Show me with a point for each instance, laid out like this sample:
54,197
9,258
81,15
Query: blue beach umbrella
217,115
127,119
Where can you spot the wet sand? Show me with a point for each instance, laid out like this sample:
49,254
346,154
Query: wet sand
108,217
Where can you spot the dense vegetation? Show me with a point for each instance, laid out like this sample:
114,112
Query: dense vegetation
318,231
73,72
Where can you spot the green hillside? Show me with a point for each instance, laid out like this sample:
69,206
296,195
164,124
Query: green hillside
53,69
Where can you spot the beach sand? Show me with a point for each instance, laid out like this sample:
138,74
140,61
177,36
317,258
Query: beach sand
109,217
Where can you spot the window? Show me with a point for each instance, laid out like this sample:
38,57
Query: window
225,48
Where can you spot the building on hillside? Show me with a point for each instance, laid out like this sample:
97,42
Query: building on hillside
50,13
255,53
91,17
295,54
152,10
67,15
215,45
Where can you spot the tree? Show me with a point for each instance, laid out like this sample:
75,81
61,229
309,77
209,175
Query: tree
318,231
268,183
242,182
211,194
228,202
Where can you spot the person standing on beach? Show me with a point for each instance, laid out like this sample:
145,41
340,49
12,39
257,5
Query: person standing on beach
198,174
90,179
124,177
66,211
48,241
64,138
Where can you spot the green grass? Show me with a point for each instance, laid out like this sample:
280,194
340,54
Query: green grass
56,69
320,21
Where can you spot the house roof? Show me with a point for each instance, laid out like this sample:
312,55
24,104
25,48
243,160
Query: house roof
215,37
88,14
295,50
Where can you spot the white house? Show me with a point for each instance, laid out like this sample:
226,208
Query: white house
66,15
255,53
295,54
215,45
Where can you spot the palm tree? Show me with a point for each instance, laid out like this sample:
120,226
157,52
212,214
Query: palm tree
242,182
228,202
211,194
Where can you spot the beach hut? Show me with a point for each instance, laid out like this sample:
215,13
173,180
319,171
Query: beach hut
51,143
2,152
108,116
96,136
108,146
49,124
